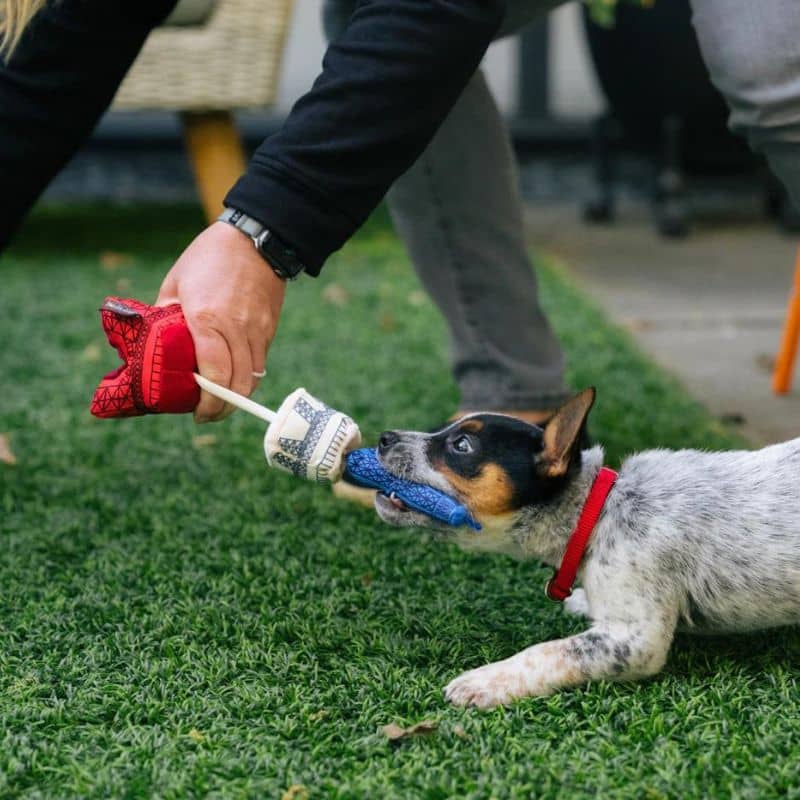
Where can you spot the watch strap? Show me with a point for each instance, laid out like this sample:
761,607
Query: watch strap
281,258
252,227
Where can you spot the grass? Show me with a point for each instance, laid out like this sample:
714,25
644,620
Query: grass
176,620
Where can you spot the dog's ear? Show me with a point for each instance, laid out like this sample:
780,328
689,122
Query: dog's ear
562,434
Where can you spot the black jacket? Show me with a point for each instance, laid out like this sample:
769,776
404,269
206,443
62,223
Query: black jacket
386,85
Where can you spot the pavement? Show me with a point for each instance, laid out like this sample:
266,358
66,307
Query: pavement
708,308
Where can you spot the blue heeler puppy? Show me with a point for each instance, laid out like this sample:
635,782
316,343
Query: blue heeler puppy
705,542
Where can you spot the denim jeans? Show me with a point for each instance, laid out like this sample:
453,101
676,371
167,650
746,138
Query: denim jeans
459,212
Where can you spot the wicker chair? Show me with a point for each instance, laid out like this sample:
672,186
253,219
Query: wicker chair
211,57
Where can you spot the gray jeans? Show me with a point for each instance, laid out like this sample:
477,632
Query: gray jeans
459,212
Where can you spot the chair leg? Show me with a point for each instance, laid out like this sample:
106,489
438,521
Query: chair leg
784,363
216,153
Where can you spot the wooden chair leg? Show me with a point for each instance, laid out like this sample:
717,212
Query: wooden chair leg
784,363
216,153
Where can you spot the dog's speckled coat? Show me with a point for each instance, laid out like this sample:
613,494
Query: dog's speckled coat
708,542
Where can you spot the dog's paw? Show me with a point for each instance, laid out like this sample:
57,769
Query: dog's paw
577,604
485,687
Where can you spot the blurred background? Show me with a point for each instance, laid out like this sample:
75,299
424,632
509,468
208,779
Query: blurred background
628,171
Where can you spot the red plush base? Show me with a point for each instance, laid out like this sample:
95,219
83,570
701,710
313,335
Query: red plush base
158,351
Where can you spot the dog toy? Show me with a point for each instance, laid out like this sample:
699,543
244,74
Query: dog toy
159,361
291,443
364,469
304,437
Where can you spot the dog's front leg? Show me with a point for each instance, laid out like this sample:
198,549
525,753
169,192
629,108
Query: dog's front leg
615,652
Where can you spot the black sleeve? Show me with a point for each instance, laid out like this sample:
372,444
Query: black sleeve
57,84
386,85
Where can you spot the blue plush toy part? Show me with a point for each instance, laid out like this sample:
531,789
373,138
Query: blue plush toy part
364,469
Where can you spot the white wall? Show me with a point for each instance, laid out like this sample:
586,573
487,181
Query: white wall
573,91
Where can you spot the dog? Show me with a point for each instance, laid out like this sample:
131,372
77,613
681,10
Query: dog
706,542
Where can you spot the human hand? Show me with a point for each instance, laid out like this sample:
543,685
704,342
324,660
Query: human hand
231,300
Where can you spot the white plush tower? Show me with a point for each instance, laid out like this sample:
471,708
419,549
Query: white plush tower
310,439
305,437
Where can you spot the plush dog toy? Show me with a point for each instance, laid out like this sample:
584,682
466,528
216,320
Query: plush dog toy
305,436
159,361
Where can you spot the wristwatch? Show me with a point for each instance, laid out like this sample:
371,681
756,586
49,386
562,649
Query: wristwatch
282,258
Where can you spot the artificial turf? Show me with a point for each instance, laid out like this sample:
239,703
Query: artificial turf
176,620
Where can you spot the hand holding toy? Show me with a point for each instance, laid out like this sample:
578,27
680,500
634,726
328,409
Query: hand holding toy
304,437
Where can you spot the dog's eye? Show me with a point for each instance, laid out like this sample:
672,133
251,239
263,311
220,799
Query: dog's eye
462,445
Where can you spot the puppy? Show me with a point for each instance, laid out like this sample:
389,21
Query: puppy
706,542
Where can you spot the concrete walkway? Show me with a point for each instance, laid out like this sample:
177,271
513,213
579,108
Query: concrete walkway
708,308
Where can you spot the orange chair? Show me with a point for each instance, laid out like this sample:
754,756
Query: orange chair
784,363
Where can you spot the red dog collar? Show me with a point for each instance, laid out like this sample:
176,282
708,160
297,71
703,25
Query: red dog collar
559,587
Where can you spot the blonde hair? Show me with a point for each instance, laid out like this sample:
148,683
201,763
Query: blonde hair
14,18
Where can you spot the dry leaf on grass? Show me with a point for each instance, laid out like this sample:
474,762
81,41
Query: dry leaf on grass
204,440
110,260
318,715
91,352
196,736
459,731
387,321
295,792
6,453
417,298
336,295
394,733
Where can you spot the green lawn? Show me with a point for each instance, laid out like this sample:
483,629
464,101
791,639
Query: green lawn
176,620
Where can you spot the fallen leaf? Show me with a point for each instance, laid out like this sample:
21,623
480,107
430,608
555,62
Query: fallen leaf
639,325
336,295
196,736
295,792
387,321
6,453
733,418
91,352
318,715
765,361
394,733
110,260
366,579
417,298
459,731
205,440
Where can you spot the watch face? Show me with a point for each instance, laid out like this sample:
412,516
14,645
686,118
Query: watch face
282,258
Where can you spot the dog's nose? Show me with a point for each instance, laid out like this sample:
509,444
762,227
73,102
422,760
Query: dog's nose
386,440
